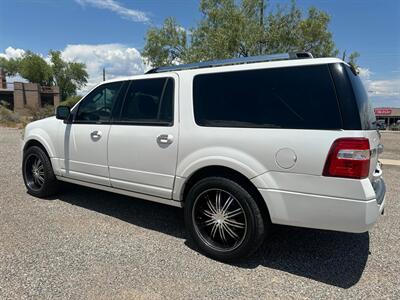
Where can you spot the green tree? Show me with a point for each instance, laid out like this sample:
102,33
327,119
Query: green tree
69,76
35,69
219,33
10,66
230,28
289,31
167,44
352,59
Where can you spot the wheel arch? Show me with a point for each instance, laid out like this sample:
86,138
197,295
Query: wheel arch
229,173
35,142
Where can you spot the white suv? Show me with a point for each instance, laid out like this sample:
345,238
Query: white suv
240,144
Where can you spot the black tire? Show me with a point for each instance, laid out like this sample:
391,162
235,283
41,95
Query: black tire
223,246
41,183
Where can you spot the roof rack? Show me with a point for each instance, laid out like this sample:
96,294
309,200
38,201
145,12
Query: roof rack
232,61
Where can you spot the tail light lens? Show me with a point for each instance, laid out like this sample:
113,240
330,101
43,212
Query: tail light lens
348,157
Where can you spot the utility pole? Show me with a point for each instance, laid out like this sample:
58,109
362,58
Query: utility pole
104,74
261,23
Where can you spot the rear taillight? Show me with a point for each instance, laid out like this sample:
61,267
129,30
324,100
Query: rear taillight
348,157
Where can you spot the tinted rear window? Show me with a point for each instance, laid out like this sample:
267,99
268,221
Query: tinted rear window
292,97
367,114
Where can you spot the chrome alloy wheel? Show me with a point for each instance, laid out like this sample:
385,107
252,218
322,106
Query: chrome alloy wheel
219,220
34,172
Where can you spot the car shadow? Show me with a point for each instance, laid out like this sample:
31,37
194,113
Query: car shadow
151,215
334,258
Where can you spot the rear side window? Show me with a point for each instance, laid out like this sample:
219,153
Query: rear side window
292,97
149,102
366,111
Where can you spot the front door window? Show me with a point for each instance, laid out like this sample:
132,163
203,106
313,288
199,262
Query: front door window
97,106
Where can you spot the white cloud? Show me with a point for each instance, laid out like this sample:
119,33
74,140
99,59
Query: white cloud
118,60
365,73
383,93
11,52
112,5
183,29
385,88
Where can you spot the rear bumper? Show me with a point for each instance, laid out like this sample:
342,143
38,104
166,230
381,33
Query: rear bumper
380,190
325,212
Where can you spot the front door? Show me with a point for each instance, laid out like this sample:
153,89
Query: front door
143,140
84,141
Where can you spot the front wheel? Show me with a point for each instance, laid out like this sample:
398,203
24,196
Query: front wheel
38,174
223,219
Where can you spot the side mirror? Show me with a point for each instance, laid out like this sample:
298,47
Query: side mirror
62,112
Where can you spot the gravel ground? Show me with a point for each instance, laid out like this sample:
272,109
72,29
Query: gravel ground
87,244
391,143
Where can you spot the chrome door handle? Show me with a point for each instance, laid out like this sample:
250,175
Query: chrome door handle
165,139
96,134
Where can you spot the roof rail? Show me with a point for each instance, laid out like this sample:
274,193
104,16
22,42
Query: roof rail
232,61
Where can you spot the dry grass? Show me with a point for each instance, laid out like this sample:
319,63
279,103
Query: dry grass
9,118
13,119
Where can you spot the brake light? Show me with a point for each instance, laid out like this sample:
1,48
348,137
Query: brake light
348,157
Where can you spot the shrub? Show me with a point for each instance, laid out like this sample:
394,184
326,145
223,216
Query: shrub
8,117
71,101
41,113
5,104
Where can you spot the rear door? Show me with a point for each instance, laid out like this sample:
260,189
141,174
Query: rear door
143,140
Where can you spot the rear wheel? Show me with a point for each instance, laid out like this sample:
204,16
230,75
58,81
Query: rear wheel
38,174
223,219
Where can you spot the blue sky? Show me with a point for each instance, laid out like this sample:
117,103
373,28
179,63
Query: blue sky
111,33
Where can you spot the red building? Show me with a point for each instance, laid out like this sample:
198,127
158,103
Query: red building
391,115
22,95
